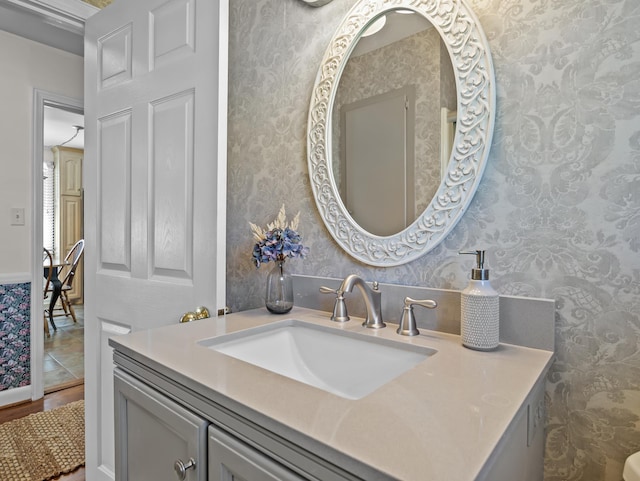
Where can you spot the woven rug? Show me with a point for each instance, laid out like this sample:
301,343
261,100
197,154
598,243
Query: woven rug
43,445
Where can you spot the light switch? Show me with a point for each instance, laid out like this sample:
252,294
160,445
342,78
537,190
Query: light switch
17,216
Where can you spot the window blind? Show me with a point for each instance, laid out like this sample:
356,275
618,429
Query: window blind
48,208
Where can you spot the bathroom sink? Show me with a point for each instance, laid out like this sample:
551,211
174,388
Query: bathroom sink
344,363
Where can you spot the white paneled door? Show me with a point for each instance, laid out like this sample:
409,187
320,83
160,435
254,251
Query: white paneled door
155,177
378,157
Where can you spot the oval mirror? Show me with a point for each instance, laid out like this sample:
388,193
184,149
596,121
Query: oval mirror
400,126
386,124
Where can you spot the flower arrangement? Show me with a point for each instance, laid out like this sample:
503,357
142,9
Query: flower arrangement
279,241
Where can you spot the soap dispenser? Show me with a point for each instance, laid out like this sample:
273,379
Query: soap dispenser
480,309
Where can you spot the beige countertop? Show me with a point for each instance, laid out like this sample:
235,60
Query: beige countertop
441,420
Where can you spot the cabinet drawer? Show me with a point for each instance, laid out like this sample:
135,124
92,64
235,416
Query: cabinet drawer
153,433
233,460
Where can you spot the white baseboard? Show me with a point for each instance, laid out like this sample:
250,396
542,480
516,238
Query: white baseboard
15,395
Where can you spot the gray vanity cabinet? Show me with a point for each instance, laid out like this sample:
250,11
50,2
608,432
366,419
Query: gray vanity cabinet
166,420
156,438
160,440
233,460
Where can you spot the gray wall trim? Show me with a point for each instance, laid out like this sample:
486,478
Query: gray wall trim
524,321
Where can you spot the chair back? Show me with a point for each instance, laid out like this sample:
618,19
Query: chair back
71,260
47,258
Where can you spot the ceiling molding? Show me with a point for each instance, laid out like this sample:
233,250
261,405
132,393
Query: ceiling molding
66,14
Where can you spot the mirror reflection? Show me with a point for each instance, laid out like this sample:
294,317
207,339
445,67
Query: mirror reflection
393,122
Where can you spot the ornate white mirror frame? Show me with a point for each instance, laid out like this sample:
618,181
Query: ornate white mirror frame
468,48
316,3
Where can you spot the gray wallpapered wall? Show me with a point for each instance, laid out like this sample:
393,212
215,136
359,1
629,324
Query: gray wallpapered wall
558,208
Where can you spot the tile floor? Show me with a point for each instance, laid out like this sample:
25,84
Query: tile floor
64,351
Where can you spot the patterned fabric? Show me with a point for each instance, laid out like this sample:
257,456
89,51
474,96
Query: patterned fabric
558,208
15,347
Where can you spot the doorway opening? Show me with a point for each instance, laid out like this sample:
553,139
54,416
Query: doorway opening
63,154
57,341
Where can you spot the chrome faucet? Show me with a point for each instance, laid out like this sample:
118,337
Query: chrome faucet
407,325
339,308
372,299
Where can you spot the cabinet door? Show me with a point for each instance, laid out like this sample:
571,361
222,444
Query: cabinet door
70,233
69,210
153,433
70,164
233,460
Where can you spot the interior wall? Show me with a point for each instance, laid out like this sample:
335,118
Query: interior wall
25,65
557,209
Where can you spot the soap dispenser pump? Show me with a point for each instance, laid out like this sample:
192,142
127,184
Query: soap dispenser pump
480,309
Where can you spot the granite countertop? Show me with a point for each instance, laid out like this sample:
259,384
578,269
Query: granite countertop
441,420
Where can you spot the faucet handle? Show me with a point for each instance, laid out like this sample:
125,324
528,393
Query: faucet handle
339,308
428,303
408,325
327,290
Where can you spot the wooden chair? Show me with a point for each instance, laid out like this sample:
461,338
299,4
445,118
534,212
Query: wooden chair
47,264
66,275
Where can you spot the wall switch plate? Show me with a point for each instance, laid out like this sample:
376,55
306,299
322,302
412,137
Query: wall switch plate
17,216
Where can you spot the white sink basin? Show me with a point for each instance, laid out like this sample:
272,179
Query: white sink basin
344,363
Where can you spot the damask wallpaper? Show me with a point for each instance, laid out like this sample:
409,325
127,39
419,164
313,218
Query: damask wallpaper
558,209
15,347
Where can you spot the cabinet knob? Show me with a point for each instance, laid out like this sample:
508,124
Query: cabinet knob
181,468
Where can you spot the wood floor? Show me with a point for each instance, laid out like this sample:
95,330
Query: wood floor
50,401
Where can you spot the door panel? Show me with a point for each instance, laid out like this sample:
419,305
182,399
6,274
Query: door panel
105,445
71,232
155,87
69,214
154,432
71,228
377,134
115,60
70,164
233,460
114,181
172,184
173,30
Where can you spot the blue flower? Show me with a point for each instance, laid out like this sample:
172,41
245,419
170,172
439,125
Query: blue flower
279,242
